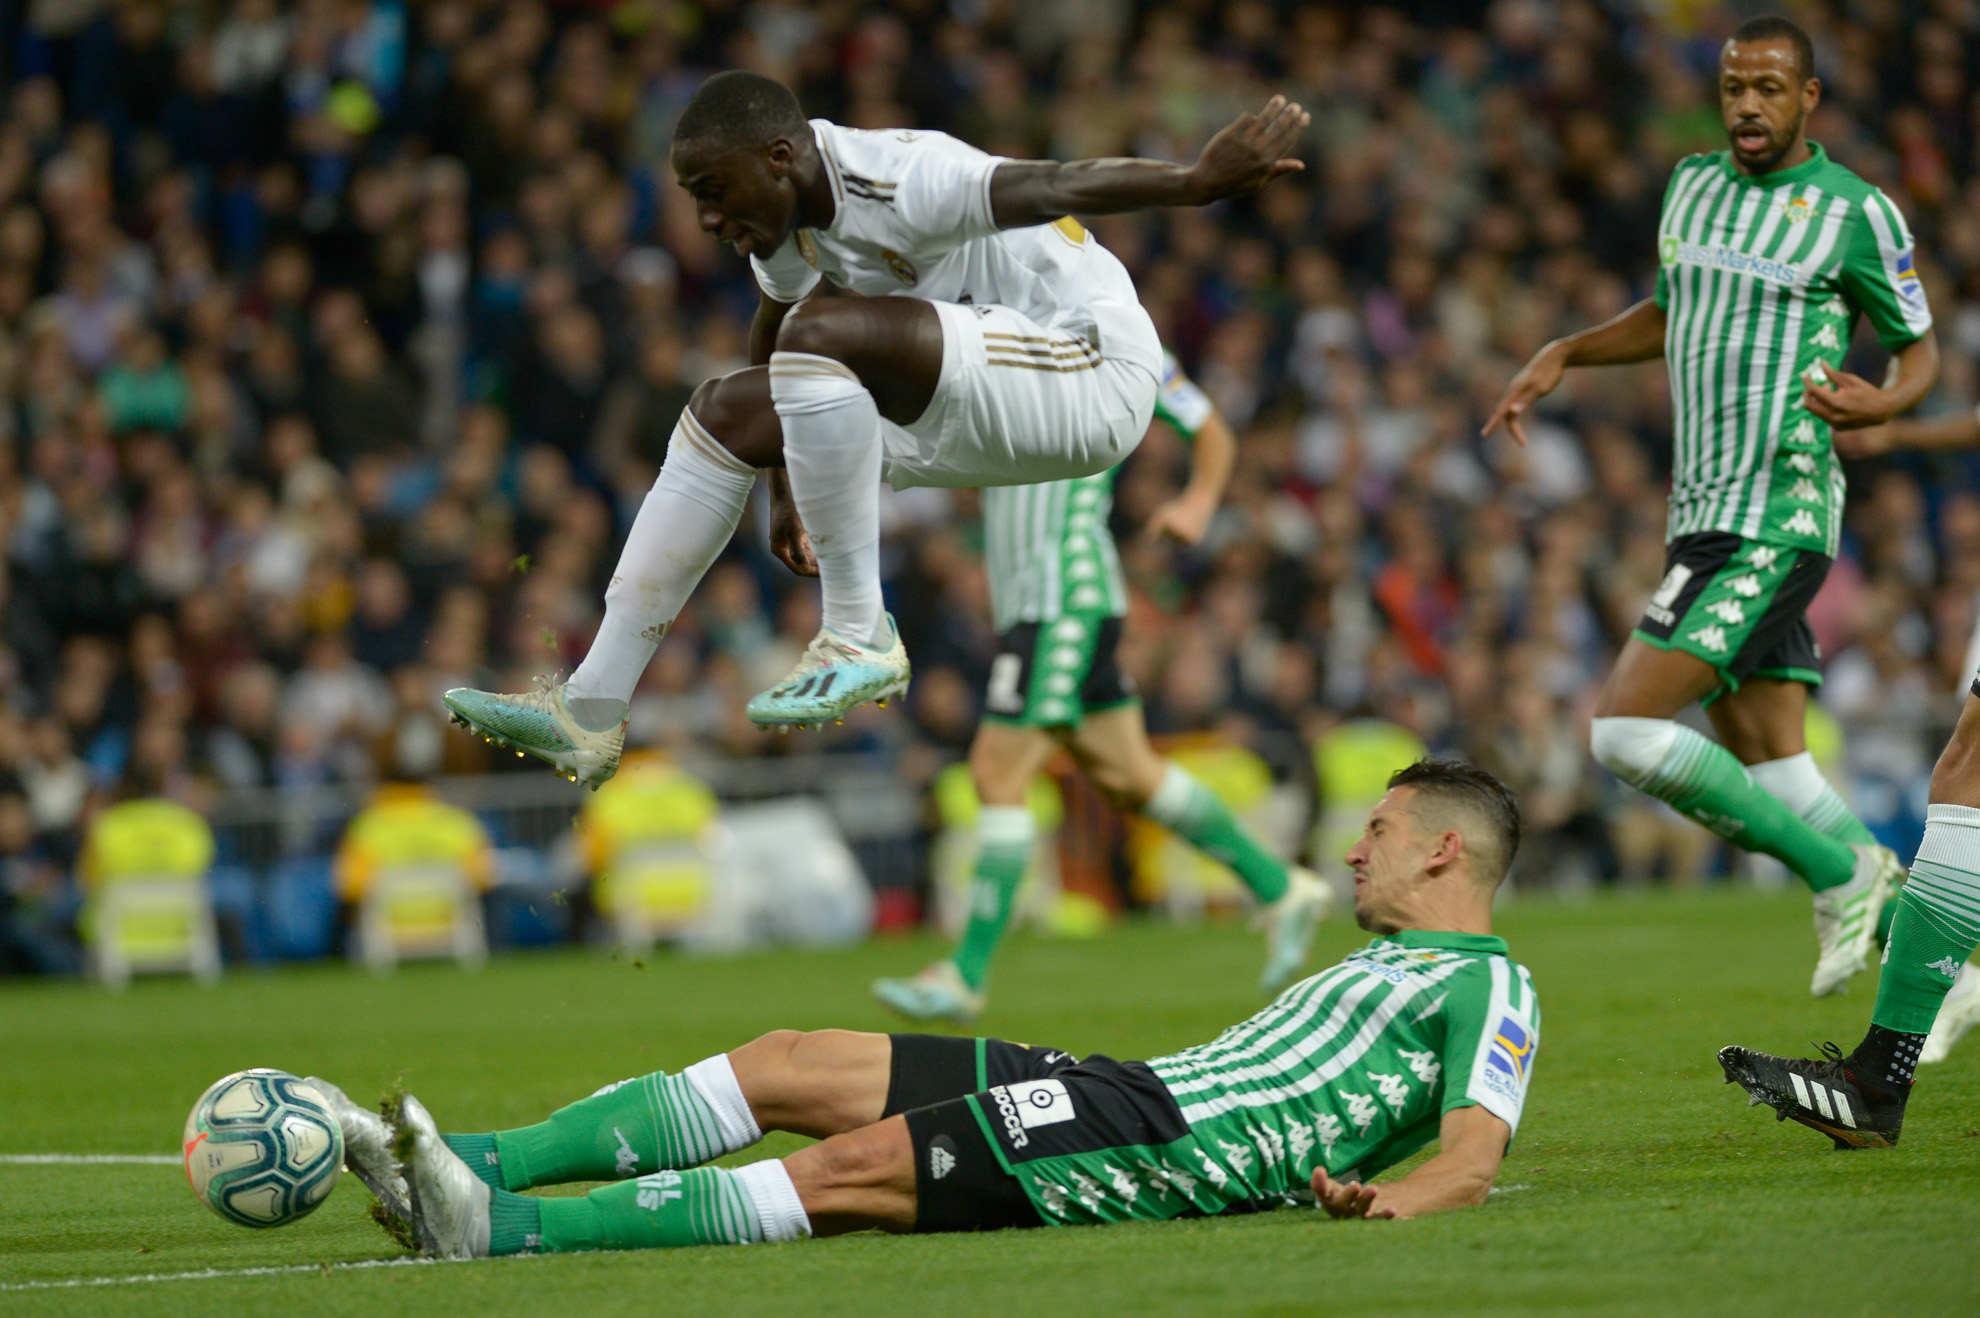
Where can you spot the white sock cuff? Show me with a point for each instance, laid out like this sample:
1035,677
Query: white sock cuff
1005,825
1795,781
779,1212
802,382
1171,799
1631,746
692,439
715,1080
1952,838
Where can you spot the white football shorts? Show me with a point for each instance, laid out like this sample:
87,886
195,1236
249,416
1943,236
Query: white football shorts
1017,404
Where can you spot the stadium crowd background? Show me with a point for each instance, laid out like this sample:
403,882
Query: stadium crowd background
340,340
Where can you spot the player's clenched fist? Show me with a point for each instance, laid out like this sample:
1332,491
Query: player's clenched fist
1250,153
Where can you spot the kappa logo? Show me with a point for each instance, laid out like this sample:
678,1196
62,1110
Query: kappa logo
1803,434
1826,337
625,1162
941,1157
1731,612
1711,638
1748,585
1802,523
1946,966
1804,490
1803,463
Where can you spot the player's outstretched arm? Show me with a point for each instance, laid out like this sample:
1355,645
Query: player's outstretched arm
1636,335
1212,454
1237,162
1958,431
1471,1142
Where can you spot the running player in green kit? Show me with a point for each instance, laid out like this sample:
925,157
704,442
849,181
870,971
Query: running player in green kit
1770,251
1427,1034
1058,595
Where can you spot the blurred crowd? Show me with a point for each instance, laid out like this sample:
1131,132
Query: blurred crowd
339,341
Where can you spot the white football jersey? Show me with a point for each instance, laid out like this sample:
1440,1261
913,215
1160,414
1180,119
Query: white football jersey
913,219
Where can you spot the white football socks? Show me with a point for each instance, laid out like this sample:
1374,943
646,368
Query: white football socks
774,1199
832,451
687,517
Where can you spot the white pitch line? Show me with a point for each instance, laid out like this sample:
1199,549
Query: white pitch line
73,1159
212,1274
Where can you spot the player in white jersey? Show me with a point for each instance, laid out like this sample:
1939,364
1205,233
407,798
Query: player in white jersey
993,341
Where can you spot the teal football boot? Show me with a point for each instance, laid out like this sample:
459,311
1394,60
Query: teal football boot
936,994
832,678
1289,924
540,723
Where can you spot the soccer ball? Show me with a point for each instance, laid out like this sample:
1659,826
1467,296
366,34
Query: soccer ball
262,1148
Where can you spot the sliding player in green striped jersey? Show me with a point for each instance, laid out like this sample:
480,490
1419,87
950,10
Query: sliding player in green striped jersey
1427,1034
1770,251
1058,595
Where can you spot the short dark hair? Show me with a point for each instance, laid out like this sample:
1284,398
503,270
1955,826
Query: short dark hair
1775,27
1467,787
742,107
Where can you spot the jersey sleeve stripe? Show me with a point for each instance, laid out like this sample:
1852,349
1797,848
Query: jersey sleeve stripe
1894,246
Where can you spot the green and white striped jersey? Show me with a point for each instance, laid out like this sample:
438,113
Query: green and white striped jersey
1762,279
1354,1068
1048,548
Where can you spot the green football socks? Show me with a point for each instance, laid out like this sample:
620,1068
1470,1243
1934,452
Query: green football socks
701,1206
1004,837
635,1127
1191,811
1938,922
1703,781
1800,785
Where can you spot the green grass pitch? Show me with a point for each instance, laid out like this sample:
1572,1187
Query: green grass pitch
1639,1183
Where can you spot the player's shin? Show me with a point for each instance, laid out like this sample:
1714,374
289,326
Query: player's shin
1004,837
1937,926
1191,811
687,518
656,1122
705,1206
1701,779
832,452
1799,785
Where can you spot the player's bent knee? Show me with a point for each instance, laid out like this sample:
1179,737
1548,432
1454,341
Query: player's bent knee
818,327
1631,748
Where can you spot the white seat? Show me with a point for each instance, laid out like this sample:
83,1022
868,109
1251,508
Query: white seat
656,889
161,925
420,912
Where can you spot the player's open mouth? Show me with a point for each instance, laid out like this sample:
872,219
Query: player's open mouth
1751,136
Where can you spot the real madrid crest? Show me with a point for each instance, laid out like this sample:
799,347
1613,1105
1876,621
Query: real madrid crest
899,265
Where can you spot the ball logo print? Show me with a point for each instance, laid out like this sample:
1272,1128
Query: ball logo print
1042,1102
262,1148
